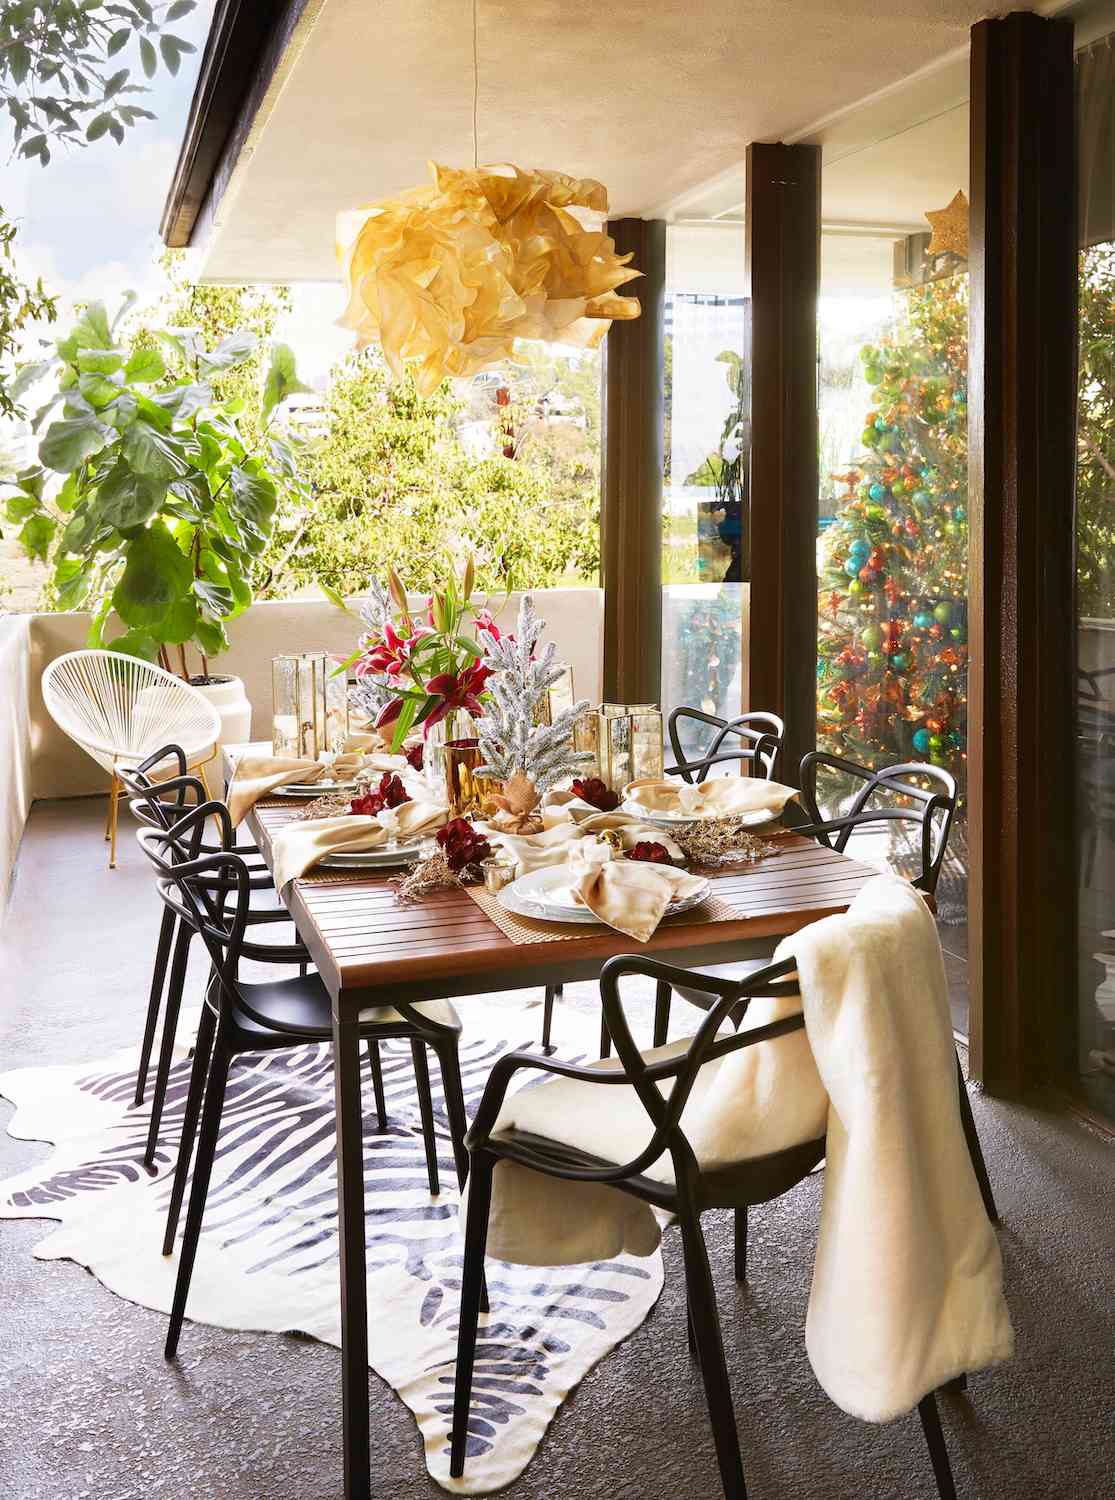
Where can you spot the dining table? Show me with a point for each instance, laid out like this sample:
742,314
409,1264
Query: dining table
372,950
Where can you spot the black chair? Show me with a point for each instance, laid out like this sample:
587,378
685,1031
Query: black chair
932,808
753,740
160,803
211,893
926,795
693,1192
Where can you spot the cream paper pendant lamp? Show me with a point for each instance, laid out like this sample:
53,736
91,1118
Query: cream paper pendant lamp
446,277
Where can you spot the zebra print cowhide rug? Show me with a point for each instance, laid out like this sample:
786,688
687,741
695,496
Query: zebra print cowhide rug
268,1253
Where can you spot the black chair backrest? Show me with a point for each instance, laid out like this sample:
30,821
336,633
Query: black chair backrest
927,796
665,1110
753,739
160,803
211,892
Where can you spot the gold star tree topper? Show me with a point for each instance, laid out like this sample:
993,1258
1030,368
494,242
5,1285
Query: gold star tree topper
950,228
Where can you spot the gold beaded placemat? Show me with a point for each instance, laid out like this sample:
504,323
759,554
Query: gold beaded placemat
527,930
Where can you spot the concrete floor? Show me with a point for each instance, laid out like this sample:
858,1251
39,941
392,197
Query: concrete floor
90,1411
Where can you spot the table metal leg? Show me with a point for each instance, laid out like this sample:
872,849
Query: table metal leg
354,1286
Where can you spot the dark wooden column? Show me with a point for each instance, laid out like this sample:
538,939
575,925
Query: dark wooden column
1022,399
783,228
631,476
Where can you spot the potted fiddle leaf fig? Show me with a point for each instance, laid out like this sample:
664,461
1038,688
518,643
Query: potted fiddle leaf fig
153,497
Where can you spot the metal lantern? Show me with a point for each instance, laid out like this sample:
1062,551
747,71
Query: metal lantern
629,743
309,705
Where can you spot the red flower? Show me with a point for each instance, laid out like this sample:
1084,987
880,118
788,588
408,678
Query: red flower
389,793
483,621
414,756
653,854
596,794
462,844
460,690
391,654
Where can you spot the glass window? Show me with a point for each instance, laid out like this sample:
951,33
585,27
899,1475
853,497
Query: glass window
1095,576
893,542
704,523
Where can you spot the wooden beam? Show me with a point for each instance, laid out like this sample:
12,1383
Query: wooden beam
243,51
1021,456
631,476
783,250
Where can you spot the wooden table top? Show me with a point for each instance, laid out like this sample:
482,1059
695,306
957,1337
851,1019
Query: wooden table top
363,942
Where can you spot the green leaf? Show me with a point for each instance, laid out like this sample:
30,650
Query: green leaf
67,444
179,9
116,83
83,530
254,495
144,367
98,390
229,352
37,535
180,623
123,410
18,507
100,361
30,481
91,331
216,602
282,378
148,57
19,62
26,376
156,575
70,493
97,127
152,453
127,301
192,491
136,643
210,637
128,499
334,597
118,40
172,48
71,582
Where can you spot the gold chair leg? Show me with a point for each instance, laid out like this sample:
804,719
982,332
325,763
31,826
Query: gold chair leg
108,810
114,805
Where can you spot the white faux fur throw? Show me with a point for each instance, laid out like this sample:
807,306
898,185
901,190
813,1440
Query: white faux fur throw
907,1282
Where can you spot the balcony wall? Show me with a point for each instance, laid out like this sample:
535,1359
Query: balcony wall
47,764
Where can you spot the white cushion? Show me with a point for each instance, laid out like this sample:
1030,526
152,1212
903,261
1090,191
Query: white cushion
758,1100
439,1011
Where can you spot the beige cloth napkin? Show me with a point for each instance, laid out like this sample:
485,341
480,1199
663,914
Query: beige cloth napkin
256,775
299,846
629,895
537,851
724,797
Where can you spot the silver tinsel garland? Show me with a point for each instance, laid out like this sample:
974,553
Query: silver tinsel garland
510,741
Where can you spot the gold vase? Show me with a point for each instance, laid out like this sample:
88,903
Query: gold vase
465,791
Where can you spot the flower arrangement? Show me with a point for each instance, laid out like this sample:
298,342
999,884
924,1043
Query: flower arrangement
462,845
650,853
596,793
390,793
413,673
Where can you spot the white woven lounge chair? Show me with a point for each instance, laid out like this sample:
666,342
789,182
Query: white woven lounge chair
120,709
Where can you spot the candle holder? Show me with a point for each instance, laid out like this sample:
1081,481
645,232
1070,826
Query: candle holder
309,705
465,791
629,743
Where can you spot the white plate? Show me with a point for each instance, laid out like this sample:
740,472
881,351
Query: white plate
372,859
311,788
529,897
757,818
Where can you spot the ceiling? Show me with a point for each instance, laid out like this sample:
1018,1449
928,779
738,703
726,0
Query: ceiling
658,99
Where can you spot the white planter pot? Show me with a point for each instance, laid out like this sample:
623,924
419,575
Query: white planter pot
228,697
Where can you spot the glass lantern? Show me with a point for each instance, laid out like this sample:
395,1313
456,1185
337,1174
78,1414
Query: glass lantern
629,743
309,705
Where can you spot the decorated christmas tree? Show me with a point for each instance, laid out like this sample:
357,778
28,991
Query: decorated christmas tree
893,614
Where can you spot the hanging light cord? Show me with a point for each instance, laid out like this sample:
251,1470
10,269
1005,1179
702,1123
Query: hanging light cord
475,87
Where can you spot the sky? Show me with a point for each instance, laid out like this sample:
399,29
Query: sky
88,223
